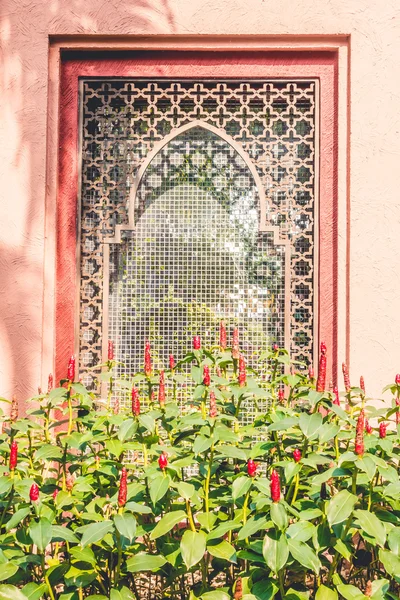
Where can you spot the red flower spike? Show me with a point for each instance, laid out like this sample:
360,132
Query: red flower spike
346,377
163,461
397,379
362,384
242,371
50,383
275,347
135,401
55,493
206,375
275,486
311,372
336,394
222,335
368,427
161,390
34,493
281,395
71,369
251,468
213,406
382,430
171,362
196,342
359,443
322,369
123,488
296,455
110,352
13,455
147,359
235,343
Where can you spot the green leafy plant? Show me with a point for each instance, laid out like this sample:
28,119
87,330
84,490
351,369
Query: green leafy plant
260,487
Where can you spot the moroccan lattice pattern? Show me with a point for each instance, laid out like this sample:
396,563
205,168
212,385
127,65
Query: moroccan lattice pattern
273,121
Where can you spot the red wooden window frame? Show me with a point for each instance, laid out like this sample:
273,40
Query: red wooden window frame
322,65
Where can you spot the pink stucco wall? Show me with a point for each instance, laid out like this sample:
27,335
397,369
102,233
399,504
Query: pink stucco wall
27,257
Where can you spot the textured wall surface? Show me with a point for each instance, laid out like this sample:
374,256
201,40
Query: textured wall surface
375,152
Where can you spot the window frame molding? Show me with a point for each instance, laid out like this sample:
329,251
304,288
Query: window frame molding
71,57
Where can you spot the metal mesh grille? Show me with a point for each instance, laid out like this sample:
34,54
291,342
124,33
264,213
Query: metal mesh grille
198,181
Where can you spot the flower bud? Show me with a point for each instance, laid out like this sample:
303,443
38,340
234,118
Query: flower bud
275,486
171,362
336,394
397,379
222,335
123,488
235,343
50,383
322,369
71,369
281,395
196,342
163,461
242,371
13,455
34,493
135,401
297,455
161,390
55,493
362,384
368,427
359,443
213,413
147,359
382,429
346,377
275,347
251,468
110,352
206,375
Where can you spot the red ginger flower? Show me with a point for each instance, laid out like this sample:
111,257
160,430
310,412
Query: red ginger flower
251,468
346,377
55,493
275,486
311,372
359,443
336,394
206,375
281,394
213,406
235,343
382,429
242,371
297,455
110,352
161,390
123,488
163,461
14,409
322,369
397,379
222,335
13,455
147,359
135,401
171,362
196,342
34,493
71,369
50,383
362,384
368,427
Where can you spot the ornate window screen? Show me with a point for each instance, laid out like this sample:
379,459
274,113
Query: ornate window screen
193,231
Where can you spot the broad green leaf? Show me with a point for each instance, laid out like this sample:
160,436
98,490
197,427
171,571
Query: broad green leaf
327,432
325,593
394,540
390,561
7,570
48,451
114,447
79,577
127,430
310,424
201,444
10,592
148,422
340,507
304,555
18,517
34,591
241,486
40,532
158,488
126,525
167,523
186,490
302,531
283,424
279,515
371,525
223,550
85,555
232,452
63,533
216,595
265,589
122,594
193,546
342,548
379,589
275,551
145,562
350,592
5,485
253,525
95,532
367,465
222,529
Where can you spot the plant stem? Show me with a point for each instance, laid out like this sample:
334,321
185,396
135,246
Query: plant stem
296,488
190,516
281,579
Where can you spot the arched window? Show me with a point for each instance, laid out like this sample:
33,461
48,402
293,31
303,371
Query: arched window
196,251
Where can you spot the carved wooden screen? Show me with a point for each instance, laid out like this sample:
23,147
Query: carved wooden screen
243,170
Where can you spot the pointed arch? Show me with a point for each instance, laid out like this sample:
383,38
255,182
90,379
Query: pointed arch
176,133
